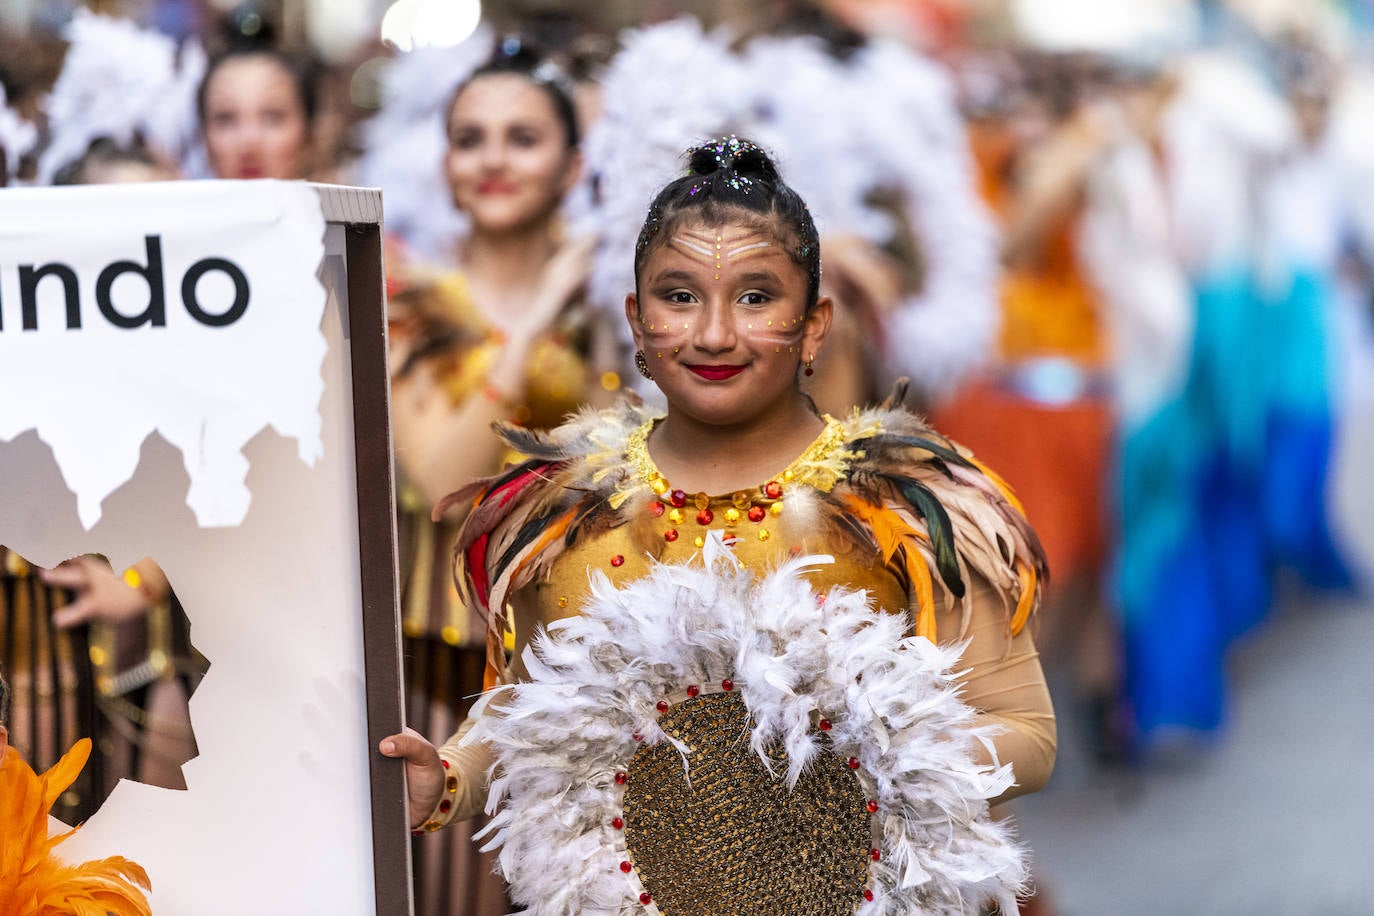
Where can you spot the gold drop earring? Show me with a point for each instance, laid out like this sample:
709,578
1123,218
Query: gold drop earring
809,370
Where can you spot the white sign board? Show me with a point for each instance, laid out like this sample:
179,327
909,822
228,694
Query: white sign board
196,372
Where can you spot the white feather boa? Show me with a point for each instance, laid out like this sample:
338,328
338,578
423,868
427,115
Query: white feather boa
595,680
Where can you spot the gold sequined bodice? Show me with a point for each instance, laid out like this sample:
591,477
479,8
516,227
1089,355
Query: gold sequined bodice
769,524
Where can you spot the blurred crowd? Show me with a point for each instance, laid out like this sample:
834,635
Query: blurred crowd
1131,269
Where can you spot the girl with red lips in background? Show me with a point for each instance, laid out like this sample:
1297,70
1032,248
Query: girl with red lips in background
257,113
503,337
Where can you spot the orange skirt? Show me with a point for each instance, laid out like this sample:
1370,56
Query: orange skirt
1056,458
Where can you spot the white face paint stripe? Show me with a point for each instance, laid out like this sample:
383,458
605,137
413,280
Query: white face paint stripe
692,246
736,252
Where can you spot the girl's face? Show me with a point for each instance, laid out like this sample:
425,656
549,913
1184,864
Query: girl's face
508,164
255,124
721,316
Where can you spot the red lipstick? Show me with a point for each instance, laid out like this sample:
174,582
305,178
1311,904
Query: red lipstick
496,186
717,373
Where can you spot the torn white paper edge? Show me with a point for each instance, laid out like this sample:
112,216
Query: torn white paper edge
189,308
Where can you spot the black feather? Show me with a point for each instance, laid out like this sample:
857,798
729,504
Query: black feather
942,450
531,530
939,527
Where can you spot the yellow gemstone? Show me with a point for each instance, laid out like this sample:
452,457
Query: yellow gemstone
732,515
132,578
787,474
412,628
97,656
451,783
701,501
659,485
699,541
764,534
449,635
675,516
610,381
776,508
741,500
562,600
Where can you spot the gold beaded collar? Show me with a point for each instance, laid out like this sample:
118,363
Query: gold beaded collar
822,465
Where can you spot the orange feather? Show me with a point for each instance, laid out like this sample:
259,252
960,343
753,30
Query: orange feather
34,881
894,534
1026,602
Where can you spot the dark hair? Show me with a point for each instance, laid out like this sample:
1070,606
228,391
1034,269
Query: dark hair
104,151
304,76
514,56
724,177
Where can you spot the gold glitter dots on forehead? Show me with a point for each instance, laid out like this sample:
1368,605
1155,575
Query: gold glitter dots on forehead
733,839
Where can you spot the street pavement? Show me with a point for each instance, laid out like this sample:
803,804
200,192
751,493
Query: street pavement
1274,817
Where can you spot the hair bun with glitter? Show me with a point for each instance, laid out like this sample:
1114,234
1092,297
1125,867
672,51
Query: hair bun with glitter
731,154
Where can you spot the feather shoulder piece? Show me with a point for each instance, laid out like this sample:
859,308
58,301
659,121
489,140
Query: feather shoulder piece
33,880
928,506
572,483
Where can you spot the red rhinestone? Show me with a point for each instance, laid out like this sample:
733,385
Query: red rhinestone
618,824
693,690
670,535
637,736
621,779
626,867
417,833
617,560
645,899
756,513
773,489
678,498
662,706
704,517
444,762
727,685
825,725
445,805
853,763
877,856
656,509
872,806
868,894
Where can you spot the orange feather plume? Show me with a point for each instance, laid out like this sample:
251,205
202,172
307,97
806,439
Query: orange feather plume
894,534
33,881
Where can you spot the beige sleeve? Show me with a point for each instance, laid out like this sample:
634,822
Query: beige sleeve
1003,682
465,788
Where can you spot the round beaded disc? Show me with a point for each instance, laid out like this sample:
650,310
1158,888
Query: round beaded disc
724,835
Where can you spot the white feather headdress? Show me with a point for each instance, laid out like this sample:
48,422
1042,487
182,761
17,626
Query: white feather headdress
17,138
121,81
918,146
671,86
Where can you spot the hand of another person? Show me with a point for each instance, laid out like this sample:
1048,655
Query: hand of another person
564,278
100,594
425,773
